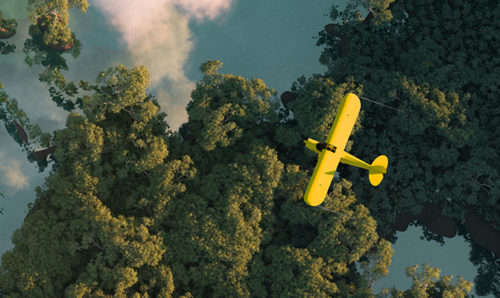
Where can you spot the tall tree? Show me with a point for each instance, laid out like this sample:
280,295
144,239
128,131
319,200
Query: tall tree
225,106
52,16
104,203
219,227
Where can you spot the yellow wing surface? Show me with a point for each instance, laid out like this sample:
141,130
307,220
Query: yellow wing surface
329,159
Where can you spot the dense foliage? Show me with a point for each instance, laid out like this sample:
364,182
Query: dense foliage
223,218
443,72
52,17
427,284
7,30
216,209
439,61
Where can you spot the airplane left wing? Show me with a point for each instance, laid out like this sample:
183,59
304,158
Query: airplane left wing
321,178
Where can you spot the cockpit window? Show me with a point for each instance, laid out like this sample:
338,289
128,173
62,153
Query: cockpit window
329,147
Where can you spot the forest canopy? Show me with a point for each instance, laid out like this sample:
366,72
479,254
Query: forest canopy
216,208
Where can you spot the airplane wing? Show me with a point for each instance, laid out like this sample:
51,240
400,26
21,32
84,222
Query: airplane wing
332,151
344,121
321,178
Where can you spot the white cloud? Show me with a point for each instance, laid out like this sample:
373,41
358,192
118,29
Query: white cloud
200,9
11,174
156,33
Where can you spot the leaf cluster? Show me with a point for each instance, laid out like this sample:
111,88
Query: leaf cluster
7,30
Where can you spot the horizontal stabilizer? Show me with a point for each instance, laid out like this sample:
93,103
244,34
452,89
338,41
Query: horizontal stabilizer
377,170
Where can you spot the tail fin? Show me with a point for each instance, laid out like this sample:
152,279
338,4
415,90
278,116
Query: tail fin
377,170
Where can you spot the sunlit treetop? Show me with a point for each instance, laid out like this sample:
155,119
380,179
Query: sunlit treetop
7,27
224,105
7,30
52,17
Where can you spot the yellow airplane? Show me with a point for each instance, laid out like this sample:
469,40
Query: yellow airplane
332,152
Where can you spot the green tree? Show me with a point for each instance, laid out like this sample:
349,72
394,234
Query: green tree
314,252
51,16
216,230
104,203
217,209
243,228
39,53
427,284
488,271
219,215
7,27
7,30
437,61
219,227
50,38
224,106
